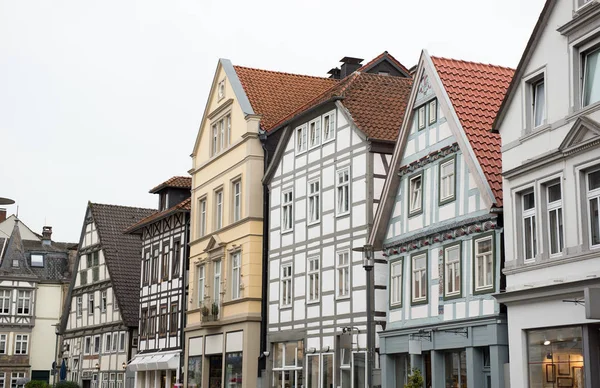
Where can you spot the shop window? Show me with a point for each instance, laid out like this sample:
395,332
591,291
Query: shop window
194,374
455,367
233,371
287,364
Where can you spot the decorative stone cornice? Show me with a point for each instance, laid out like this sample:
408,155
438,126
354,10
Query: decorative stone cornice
432,157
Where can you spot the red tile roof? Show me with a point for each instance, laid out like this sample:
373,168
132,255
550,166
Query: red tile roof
181,207
476,91
181,182
387,55
274,95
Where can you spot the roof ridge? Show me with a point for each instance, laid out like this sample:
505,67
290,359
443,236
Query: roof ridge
282,72
473,62
121,206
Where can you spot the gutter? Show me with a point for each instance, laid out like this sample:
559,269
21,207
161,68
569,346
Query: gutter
183,299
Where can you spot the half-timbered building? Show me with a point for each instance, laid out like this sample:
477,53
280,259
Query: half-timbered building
440,229
163,264
325,179
100,319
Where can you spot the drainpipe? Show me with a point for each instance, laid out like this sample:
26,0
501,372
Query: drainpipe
262,359
183,299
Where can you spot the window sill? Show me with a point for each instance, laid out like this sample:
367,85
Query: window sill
312,223
342,214
447,201
453,296
415,213
298,153
419,302
314,146
327,141
313,302
485,290
286,307
396,306
342,297
287,231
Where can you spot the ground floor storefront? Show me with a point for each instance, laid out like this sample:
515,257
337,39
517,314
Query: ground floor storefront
223,357
469,354
156,370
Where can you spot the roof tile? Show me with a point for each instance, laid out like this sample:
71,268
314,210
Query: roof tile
182,182
183,206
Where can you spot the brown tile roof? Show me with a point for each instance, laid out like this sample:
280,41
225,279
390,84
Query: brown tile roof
274,95
183,206
182,182
387,55
476,91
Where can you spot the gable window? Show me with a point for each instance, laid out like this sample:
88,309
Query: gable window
343,191
301,139
421,117
286,285
2,343
91,237
24,303
314,132
313,279
529,230
484,263
122,342
174,322
328,126
5,301
591,77
538,94
287,208
21,343
37,260
93,263
415,197
236,275
221,89
432,111
79,308
221,132
165,261
314,201
452,270
146,269
202,221
162,321
83,279
201,284
115,303
237,200
217,282
593,196
91,303
218,209
176,258
343,272
396,283
15,263
419,278
155,253
103,302
555,218
447,181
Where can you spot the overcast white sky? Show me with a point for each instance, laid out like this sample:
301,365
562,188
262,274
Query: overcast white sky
101,100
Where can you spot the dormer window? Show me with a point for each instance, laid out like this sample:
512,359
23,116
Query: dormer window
163,201
37,260
15,263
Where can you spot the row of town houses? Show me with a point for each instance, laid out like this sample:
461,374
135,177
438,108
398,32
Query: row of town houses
352,231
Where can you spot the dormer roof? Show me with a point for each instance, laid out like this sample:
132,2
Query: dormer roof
178,182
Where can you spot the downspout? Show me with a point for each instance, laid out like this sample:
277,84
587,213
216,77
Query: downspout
262,359
185,271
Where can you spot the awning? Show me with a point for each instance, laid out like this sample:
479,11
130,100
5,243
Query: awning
154,361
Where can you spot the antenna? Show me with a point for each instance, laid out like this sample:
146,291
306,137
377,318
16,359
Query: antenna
17,211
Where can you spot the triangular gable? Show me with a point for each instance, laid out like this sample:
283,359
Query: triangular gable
385,57
214,243
238,90
583,133
429,81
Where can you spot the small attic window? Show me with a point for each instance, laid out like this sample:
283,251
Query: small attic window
15,263
381,72
37,260
221,89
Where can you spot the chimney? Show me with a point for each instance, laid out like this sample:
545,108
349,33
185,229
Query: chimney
335,73
46,235
349,66
2,214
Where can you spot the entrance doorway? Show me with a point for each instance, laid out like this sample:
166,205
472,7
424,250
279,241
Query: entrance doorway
86,384
215,371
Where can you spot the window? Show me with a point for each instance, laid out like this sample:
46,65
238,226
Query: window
83,278
233,370
201,269
419,278
174,323
452,270
484,263
87,345
162,320
217,282
202,226
287,208
221,133
112,380
152,321
122,342
237,201
591,77
14,377
119,380
115,341
286,285
176,258
421,117
37,260
314,132
581,3
359,370
93,263
146,268
194,374
415,197
155,253
107,342
343,272
5,301
314,270
455,368
593,196
555,218
221,89
301,139
103,302
2,343
529,232
538,99
328,126
288,358
343,191
2,380
91,303
144,323
24,303
21,342
218,209
313,370
432,111
236,275
447,181
314,201
396,283
97,344
115,302
165,261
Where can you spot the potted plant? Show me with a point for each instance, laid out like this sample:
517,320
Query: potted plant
215,310
415,380
204,311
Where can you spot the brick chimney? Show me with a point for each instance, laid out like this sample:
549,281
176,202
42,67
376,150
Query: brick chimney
349,66
2,214
47,235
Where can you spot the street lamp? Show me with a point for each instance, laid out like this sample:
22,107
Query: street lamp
368,264
55,364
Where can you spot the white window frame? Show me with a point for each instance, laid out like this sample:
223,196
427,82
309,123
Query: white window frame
301,140
414,207
5,302
396,275
3,343
536,102
220,134
103,301
79,306
15,376
25,296
236,189
201,284
342,191
432,108
217,269
343,284
202,216
313,279
331,130
314,201
221,90
115,340
218,209
90,303
22,344
287,210
529,214
417,273
287,296
107,342
447,182
314,133
477,256
592,195
421,118
453,266
555,210
236,275
37,260
122,342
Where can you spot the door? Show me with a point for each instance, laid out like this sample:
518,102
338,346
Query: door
215,371
86,384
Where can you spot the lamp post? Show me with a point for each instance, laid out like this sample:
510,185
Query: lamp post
55,364
368,264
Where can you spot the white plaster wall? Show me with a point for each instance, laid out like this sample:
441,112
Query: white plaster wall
47,313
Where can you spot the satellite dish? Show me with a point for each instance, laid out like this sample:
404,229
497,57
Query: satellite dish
6,201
